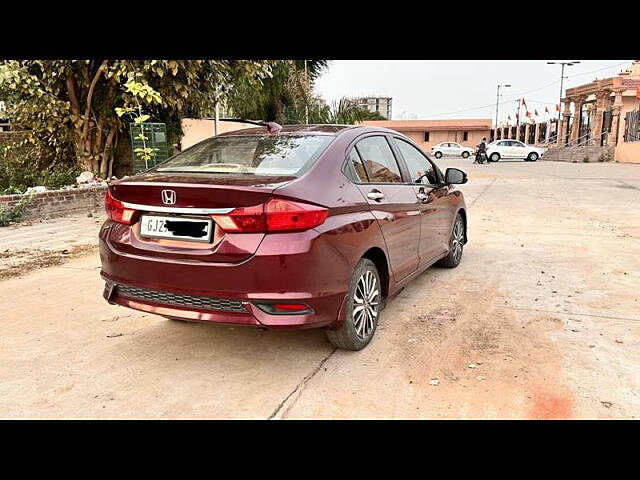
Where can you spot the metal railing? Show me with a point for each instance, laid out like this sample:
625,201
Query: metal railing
632,126
592,141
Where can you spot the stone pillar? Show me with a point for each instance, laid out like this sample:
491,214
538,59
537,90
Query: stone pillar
575,128
596,131
548,132
536,134
527,130
615,123
562,124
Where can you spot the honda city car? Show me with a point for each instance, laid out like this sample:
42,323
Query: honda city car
302,226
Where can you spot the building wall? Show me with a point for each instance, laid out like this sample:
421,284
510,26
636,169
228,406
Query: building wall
627,152
473,139
196,130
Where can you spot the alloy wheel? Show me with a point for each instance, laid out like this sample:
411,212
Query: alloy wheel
457,240
366,304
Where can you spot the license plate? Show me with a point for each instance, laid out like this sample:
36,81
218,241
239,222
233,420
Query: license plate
177,228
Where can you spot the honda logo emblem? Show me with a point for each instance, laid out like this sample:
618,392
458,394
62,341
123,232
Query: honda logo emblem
168,197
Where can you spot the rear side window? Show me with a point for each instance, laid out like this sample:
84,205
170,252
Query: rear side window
378,159
277,155
358,168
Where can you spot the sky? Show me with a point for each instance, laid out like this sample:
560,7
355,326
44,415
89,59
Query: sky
459,89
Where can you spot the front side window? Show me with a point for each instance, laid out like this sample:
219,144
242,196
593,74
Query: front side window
504,144
420,169
378,159
272,155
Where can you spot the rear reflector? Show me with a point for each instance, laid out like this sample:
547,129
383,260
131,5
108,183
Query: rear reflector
276,215
284,308
117,212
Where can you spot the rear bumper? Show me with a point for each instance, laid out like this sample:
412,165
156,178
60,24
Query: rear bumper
293,267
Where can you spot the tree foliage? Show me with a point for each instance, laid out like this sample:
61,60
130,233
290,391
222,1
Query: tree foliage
68,106
283,95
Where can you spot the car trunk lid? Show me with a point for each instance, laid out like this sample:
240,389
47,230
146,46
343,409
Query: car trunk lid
193,196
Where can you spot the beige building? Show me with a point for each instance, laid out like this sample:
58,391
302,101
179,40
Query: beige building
427,133
195,130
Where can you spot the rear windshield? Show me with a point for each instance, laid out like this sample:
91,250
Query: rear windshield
275,155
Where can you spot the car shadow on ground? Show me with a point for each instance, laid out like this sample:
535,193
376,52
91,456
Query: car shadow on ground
161,338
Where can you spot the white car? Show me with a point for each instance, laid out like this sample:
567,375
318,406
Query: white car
512,149
451,149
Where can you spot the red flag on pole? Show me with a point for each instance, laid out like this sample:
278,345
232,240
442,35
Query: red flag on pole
524,104
528,114
558,108
546,110
509,117
535,112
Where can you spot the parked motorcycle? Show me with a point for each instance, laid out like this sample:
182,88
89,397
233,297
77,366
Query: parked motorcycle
481,157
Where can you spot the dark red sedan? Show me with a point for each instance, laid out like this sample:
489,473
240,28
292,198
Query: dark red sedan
305,226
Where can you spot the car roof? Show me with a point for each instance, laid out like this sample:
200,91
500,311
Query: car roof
313,129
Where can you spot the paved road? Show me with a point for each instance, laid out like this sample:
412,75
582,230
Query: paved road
541,320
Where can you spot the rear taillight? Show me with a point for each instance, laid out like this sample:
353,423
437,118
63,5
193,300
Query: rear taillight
276,215
117,212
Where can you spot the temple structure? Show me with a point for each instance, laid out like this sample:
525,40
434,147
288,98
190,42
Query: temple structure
603,113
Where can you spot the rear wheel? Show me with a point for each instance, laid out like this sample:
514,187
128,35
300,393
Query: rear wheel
438,154
494,157
465,154
456,244
363,308
533,156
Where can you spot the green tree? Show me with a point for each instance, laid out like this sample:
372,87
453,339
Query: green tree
68,106
369,115
282,97
343,112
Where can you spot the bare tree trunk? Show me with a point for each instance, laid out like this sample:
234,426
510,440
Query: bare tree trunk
107,154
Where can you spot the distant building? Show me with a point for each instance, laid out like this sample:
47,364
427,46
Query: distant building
382,105
427,133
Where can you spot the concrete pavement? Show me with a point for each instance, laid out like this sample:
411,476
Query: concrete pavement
541,320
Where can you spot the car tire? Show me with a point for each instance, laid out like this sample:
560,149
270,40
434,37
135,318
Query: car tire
438,154
360,324
494,157
532,157
456,245
465,154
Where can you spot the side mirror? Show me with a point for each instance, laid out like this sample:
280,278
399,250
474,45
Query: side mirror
455,176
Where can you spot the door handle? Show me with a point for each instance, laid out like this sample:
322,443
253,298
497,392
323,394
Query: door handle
375,195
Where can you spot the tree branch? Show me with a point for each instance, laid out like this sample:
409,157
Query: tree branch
92,87
73,97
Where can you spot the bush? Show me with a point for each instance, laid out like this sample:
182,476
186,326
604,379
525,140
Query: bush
19,172
14,214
